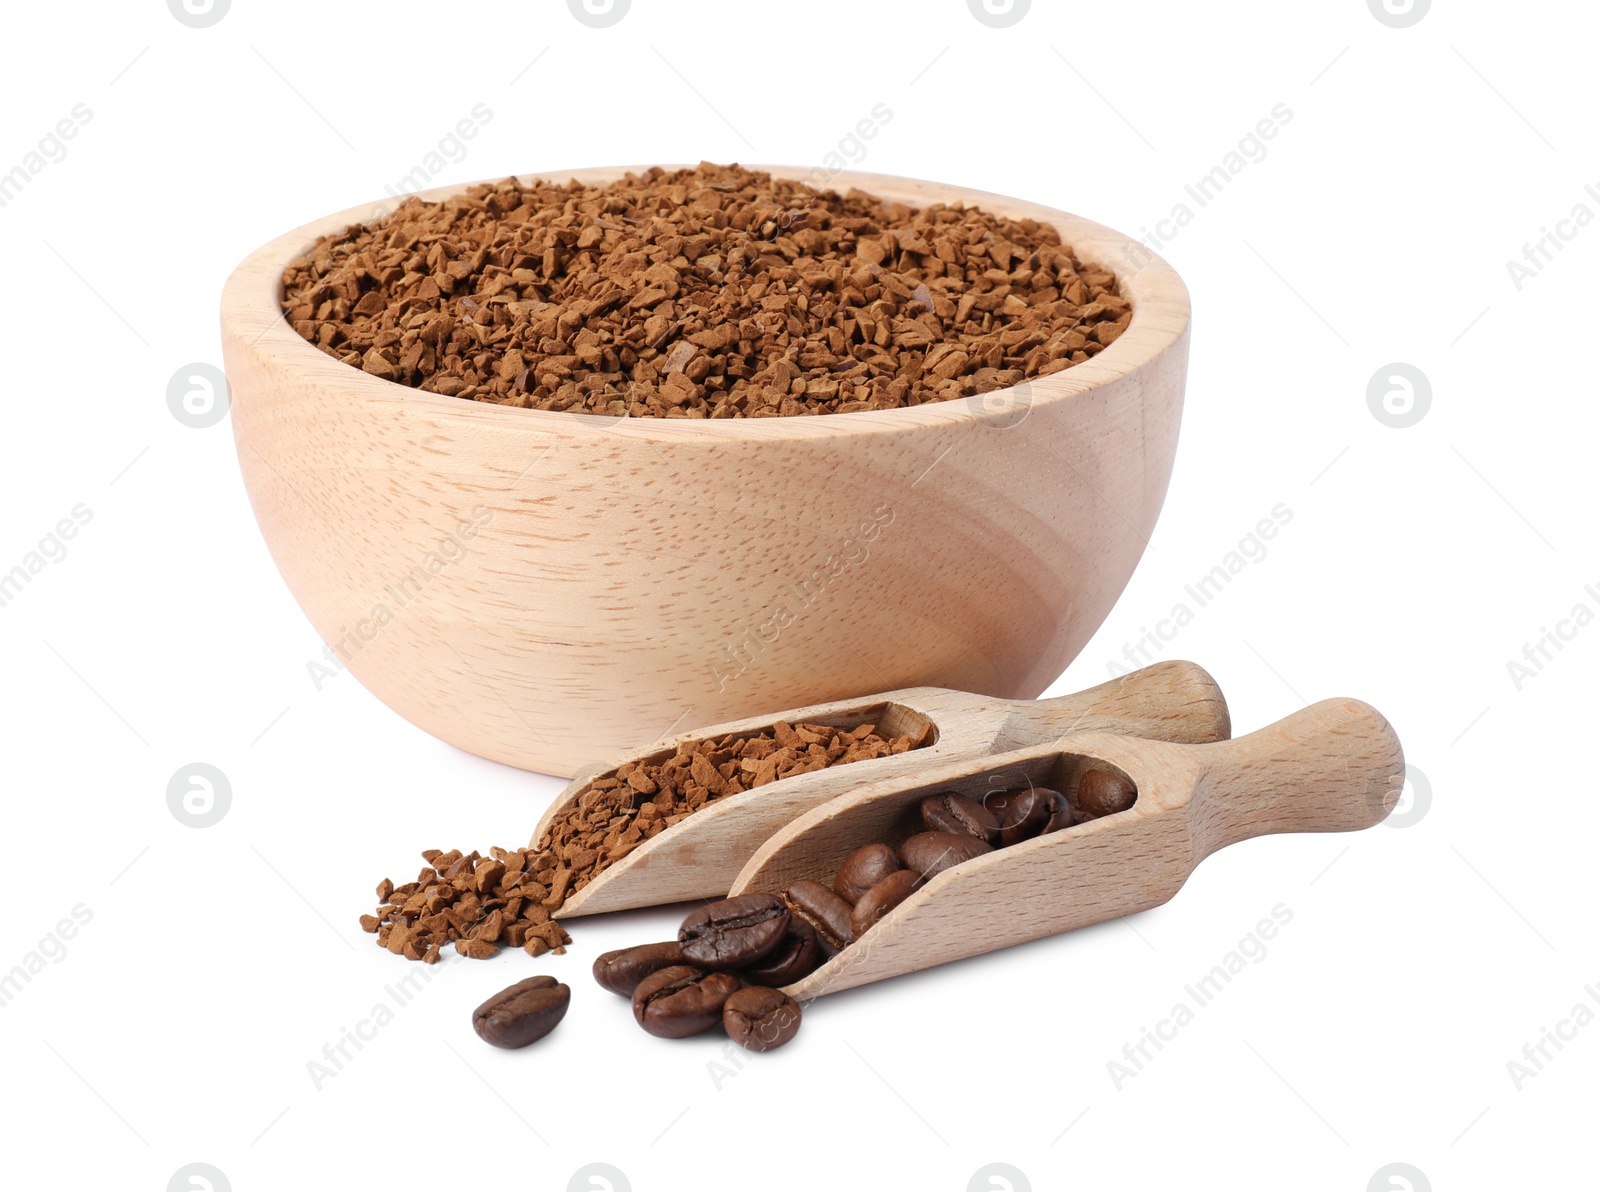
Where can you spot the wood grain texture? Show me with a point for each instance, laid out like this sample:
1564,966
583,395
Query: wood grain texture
701,856
1335,766
545,588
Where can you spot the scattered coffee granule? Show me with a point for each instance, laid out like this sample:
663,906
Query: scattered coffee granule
477,903
621,810
713,292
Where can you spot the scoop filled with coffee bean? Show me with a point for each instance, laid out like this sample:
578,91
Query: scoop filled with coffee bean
677,820
894,877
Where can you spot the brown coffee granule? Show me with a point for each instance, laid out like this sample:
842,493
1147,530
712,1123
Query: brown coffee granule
620,811
477,903
714,292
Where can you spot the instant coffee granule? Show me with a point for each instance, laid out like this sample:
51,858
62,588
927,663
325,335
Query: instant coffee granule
713,292
477,903
621,810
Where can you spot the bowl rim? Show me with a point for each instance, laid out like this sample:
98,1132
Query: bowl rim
254,321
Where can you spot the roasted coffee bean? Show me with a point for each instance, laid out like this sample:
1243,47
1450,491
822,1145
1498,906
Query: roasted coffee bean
1022,813
1101,792
1061,814
734,932
883,898
951,812
798,953
823,909
522,1014
759,1019
677,1002
622,970
931,853
863,869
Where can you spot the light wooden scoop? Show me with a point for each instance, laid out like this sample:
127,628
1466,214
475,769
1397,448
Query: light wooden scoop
1335,766
700,856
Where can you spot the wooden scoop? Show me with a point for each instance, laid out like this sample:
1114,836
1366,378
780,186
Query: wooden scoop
700,856
1332,767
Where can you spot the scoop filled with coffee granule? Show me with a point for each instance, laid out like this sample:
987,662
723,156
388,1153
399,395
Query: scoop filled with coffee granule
621,810
713,292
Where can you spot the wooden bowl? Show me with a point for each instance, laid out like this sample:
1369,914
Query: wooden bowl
546,589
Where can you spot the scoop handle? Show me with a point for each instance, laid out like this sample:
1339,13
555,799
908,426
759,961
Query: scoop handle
1169,701
1335,766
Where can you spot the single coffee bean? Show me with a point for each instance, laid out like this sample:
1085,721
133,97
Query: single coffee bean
797,954
674,1003
1101,792
863,869
759,1019
881,899
931,853
522,1014
823,910
1022,813
951,812
622,970
734,932
1061,814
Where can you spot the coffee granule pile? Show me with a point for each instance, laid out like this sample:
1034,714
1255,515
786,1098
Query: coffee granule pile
620,811
714,292
477,903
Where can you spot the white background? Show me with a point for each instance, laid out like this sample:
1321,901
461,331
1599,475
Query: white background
178,1026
